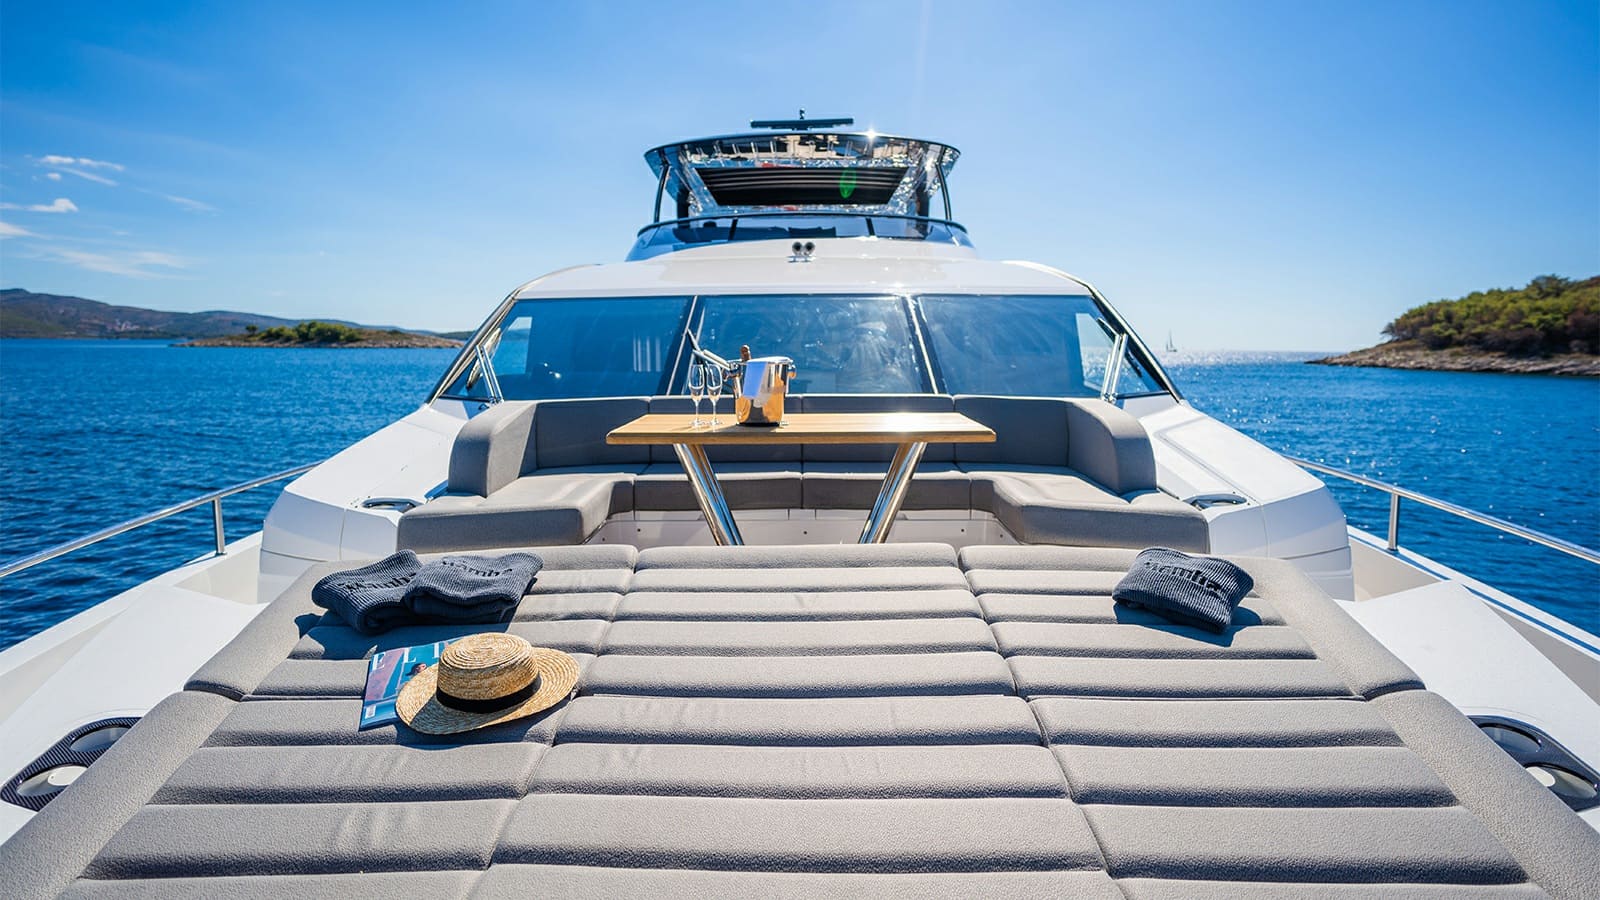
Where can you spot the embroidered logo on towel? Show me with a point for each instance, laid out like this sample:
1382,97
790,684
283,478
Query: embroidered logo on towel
470,570
1194,576
369,585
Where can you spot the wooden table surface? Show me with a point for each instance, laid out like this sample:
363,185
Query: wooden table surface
808,428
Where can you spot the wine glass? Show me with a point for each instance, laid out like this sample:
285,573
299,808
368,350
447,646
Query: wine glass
714,390
697,390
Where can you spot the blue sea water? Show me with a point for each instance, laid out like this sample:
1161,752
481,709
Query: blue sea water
93,432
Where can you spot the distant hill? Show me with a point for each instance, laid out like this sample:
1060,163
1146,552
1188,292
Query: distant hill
323,334
1551,326
25,314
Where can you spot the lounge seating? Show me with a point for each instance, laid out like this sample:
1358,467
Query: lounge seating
1076,472
825,721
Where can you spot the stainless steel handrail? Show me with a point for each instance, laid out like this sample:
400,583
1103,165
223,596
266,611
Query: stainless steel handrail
1396,492
798,214
214,498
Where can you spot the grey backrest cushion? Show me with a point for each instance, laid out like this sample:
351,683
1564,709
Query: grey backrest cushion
1108,445
573,432
1029,431
492,449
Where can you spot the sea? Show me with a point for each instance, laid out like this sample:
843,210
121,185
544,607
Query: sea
96,432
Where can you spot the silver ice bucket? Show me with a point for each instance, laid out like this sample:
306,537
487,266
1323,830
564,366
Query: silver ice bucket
759,387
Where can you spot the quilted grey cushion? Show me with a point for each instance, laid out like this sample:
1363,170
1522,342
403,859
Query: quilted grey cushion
840,720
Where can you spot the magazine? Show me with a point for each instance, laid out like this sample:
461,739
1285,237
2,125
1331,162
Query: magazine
387,673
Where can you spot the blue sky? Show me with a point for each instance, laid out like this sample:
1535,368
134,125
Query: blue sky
1246,175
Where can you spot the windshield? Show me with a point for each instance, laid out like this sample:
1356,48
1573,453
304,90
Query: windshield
1050,346
1026,346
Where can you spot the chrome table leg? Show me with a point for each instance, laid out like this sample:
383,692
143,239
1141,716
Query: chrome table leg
896,483
708,493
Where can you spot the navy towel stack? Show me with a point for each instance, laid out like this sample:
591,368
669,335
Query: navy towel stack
473,588
402,590
1192,590
371,598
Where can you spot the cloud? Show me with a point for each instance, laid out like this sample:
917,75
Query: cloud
61,205
90,176
191,205
136,264
75,165
53,176
84,162
11,231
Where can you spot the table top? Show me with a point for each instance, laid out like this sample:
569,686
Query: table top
809,428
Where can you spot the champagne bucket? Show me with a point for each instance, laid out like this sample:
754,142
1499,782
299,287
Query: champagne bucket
760,385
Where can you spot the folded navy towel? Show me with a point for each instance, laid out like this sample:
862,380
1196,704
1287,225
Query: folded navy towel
472,588
1193,590
371,598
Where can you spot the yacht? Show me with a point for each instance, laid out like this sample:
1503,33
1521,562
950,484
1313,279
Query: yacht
958,709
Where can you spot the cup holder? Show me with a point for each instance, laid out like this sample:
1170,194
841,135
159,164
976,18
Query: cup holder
56,769
1549,763
50,781
1569,786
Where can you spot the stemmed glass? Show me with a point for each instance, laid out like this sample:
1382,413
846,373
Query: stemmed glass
697,390
714,390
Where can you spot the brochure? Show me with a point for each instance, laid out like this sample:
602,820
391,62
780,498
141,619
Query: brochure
387,673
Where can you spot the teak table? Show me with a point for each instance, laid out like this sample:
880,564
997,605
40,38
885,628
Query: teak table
912,431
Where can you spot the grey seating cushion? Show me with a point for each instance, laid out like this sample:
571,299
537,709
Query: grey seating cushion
573,433
1028,431
548,507
285,650
1317,651
43,857
741,727
1074,472
492,449
261,645
855,485
1559,852
353,886
810,835
519,881
1109,446
1062,508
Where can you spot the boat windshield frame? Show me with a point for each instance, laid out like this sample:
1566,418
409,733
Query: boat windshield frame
667,236
1138,359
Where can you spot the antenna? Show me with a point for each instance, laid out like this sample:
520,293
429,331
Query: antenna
802,123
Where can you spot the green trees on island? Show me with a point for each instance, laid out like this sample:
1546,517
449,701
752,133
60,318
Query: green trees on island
1550,315
312,332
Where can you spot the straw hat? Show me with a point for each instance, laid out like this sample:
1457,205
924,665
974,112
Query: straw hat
486,679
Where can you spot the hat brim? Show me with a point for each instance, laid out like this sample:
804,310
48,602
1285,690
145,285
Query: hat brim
419,707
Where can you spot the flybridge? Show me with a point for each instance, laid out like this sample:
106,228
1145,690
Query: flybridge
796,181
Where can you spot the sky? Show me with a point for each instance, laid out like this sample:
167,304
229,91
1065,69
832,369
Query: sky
1252,176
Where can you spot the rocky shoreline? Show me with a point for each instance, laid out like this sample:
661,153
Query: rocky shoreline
1413,355
368,340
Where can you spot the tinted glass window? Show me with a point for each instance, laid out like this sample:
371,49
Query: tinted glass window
581,348
1050,346
1023,346
840,344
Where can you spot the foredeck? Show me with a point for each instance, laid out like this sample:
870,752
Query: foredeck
824,721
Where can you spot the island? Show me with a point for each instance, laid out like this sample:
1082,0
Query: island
1550,327
326,335
25,314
